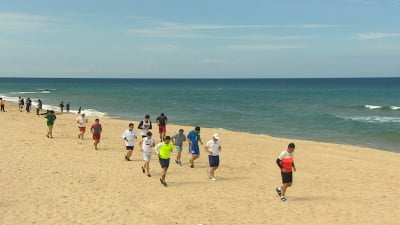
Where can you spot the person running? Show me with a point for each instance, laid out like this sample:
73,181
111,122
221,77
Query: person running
146,144
286,163
50,123
82,120
178,140
2,105
129,136
145,126
163,150
96,130
194,150
213,147
162,121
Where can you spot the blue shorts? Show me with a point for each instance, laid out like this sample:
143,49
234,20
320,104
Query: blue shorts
194,149
164,163
213,160
287,177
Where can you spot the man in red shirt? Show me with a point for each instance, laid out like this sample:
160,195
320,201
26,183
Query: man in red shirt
286,164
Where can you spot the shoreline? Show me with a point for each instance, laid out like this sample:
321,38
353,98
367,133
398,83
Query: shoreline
100,114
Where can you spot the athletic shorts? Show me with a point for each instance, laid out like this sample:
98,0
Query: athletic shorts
287,177
164,162
194,149
50,126
213,160
146,156
96,136
129,147
178,148
82,128
162,129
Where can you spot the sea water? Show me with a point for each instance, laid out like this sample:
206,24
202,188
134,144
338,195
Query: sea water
354,111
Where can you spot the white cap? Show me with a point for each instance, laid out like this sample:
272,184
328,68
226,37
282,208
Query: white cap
216,136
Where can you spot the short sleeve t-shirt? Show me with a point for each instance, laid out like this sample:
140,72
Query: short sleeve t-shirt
179,139
82,121
193,137
96,128
130,136
164,150
214,147
147,144
50,119
286,160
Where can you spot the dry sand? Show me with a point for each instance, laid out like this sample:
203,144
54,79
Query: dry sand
65,181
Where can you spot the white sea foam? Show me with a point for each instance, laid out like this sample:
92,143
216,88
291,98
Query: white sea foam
375,119
395,107
373,106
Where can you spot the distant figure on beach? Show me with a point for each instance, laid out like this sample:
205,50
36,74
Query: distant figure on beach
2,105
67,107
162,121
40,105
145,126
163,151
79,110
82,120
62,106
194,150
50,123
178,140
21,103
96,130
129,136
146,144
28,104
213,147
286,163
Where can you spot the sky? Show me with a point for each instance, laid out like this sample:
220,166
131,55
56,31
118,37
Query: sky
200,38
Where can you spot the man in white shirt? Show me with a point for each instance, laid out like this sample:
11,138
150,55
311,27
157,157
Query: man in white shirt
213,147
82,121
146,145
129,136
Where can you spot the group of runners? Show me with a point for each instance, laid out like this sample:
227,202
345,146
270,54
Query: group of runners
167,145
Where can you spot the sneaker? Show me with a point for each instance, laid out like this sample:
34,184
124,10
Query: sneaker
180,163
143,170
284,199
191,166
149,175
279,191
213,178
176,161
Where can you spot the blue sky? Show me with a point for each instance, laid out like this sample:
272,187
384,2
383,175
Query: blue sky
200,38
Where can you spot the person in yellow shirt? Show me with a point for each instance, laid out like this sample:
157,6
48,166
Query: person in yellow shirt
2,104
163,150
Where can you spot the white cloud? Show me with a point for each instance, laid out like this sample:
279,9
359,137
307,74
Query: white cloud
375,35
19,21
262,47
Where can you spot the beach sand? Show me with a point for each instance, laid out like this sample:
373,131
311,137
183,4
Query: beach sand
65,181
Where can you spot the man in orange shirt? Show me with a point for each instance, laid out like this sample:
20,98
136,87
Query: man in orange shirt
286,164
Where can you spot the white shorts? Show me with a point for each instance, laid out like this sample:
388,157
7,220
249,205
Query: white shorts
147,156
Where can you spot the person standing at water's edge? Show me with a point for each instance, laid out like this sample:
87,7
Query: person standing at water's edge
194,150
82,120
286,164
50,123
129,136
163,150
96,130
213,147
2,104
162,121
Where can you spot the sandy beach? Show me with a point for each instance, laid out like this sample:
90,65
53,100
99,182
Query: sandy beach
65,181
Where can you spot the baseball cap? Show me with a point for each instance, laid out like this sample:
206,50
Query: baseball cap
216,136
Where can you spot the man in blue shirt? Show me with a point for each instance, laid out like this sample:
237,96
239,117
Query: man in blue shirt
194,150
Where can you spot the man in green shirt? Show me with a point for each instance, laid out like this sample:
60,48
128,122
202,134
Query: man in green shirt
163,151
50,123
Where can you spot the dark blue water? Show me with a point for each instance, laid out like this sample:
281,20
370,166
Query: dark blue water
360,111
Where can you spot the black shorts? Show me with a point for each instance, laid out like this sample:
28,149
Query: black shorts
213,160
287,177
129,147
164,162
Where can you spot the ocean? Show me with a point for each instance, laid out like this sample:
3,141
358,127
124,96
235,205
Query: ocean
353,111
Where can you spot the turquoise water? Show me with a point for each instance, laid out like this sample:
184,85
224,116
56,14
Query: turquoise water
360,111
